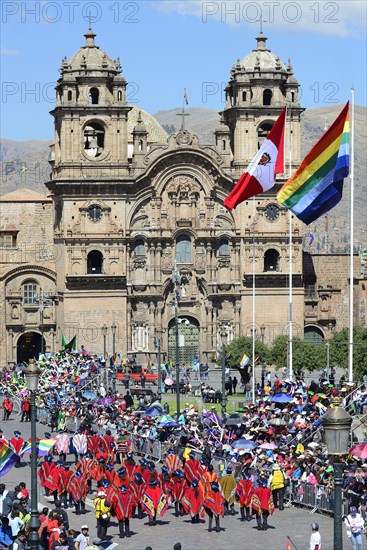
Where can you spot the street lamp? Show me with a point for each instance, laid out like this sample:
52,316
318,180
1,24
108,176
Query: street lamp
113,330
328,361
42,300
337,423
223,336
262,332
32,373
176,279
158,348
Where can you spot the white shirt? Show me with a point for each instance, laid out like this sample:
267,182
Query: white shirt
83,541
315,540
354,524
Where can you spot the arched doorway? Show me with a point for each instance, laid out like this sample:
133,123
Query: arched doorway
313,335
188,340
29,346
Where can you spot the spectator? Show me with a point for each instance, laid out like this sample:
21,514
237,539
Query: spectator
5,533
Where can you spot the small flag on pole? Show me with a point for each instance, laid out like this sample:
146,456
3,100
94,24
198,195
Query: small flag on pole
288,546
186,99
261,172
7,459
244,360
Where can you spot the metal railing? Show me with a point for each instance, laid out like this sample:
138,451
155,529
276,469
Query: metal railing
316,497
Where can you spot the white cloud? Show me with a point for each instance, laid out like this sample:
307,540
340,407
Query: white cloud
8,51
338,18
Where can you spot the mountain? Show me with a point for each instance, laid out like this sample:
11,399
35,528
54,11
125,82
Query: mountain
24,164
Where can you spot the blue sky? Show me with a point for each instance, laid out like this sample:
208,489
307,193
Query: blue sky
165,46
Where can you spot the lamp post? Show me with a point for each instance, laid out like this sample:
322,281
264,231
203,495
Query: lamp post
158,348
176,279
223,336
31,374
337,423
328,361
262,332
113,330
104,332
43,300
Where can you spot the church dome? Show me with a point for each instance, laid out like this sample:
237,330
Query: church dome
156,134
262,58
90,57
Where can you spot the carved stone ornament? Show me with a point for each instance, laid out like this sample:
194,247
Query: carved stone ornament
183,189
139,263
224,262
184,138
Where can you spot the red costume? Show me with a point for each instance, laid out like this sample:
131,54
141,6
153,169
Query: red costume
214,503
77,487
154,501
193,501
172,462
45,475
191,469
262,500
123,503
244,492
17,444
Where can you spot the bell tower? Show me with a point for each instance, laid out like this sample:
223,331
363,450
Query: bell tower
91,115
259,87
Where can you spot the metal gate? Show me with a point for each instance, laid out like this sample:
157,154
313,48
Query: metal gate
188,341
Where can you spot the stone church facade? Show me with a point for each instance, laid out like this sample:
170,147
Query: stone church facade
129,204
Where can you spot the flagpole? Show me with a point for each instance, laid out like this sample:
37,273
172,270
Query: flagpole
290,369
351,274
253,300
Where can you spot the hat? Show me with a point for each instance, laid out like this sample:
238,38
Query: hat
315,526
177,546
101,494
353,510
84,527
17,433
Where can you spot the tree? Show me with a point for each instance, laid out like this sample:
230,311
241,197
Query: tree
235,350
339,351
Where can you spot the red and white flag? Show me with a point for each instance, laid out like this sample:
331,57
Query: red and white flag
261,172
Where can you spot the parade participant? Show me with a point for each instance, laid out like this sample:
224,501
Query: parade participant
154,501
191,467
45,474
122,506
277,486
145,472
121,478
213,505
110,446
103,514
193,501
243,495
78,488
228,487
94,442
165,483
131,467
354,523
208,477
80,444
100,470
7,407
137,488
172,462
25,407
315,539
65,473
62,445
85,465
17,442
262,504
178,491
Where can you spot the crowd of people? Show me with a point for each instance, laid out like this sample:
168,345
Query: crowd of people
249,463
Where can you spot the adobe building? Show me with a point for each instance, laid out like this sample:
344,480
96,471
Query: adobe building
128,205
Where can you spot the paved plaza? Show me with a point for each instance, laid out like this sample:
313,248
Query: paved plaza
293,521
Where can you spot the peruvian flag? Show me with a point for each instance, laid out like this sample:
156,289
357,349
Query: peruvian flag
261,172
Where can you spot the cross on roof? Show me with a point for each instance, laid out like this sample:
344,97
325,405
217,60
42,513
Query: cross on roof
261,21
183,114
89,18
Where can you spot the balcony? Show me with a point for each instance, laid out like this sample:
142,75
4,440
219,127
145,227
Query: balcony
96,282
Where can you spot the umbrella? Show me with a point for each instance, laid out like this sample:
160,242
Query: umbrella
169,382
152,411
164,418
89,395
169,424
213,416
234,419
268,446
105,401
277,422
359,450
246,444
282,398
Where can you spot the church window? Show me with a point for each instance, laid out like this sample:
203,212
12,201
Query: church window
93,96
223,144
267,97
262,132
271,260
292,97
119,95
95,213
244,96
8,240
94,139
30,292
223,247
183,249
70,95
95,262
139,248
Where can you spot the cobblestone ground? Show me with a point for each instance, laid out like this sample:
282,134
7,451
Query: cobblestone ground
294,522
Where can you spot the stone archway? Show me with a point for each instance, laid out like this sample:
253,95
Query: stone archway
188,340
29,346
